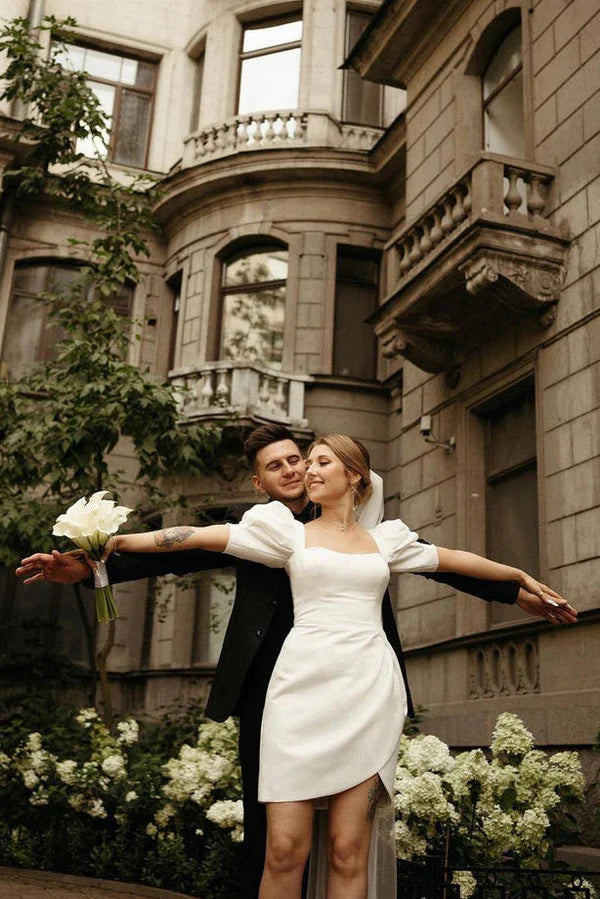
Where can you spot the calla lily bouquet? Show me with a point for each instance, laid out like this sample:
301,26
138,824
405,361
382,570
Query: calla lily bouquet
90,524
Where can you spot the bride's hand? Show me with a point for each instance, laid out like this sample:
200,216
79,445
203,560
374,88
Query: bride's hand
545,593
110,547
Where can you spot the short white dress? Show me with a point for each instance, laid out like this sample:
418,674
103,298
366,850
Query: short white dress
336,701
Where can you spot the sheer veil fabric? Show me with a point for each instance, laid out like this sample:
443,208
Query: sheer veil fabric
382,854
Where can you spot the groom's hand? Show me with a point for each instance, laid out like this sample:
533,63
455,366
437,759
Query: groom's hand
60,568
556,611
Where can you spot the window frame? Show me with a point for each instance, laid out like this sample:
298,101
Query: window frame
487,101
267,22
349,72
119,87
226,259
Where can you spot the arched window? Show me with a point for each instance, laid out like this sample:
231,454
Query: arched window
253,305
503,109
30,335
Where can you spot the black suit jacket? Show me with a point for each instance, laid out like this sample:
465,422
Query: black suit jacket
262,613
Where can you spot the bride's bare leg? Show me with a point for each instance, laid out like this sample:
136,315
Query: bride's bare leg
351,816
289,835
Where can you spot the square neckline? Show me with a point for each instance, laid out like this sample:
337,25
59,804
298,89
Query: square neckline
375,552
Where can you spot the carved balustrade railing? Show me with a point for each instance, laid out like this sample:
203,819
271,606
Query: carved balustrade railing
492,188
503,668
275,130
240,390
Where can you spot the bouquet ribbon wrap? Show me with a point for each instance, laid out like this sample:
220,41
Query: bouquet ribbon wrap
100,575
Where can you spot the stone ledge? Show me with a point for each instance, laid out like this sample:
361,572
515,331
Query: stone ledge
583,858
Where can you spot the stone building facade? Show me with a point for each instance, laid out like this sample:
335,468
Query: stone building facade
433,169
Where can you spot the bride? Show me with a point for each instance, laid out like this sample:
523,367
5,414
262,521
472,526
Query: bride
336,701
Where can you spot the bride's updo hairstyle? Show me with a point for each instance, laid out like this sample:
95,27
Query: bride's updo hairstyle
353,455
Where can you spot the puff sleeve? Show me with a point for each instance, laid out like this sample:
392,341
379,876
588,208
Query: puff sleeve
267,533
400,548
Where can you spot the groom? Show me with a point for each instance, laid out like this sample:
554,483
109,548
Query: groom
261,617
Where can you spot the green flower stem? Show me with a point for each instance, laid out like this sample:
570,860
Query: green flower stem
106,609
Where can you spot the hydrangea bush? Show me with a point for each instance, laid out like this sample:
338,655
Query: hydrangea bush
513,807
109,807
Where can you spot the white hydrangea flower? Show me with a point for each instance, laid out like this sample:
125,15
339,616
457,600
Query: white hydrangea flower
67,771
96,809
78,802
86,717
4,760
531,827
34,742
226,813
151,830
30,779
39,797
511,737
427,753
114,766
582,889
129,732
467,884
131,796
564,772
163,815
498,827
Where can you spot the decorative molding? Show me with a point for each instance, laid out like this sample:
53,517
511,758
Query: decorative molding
504,668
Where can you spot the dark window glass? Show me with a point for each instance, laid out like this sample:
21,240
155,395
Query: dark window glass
43,620
363,100
125,88
30,335
253,305
512,493
356,295
174,285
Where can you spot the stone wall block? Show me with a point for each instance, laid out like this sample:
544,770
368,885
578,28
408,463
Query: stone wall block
586,436
589,39
437,131
412,478
569,398
580,585
572,20
420,119
311,290
558,449
564,141
415,154
588,535
591,116
560,68
561,542
573,490
314,243
438,466
312,266
545,119
412,406
543,50
580,169
308,340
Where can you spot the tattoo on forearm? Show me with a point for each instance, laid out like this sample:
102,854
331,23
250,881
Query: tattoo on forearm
172,536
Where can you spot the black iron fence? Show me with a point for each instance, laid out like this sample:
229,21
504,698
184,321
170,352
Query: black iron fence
432,880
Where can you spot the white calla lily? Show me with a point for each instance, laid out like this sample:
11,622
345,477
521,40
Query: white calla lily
89,523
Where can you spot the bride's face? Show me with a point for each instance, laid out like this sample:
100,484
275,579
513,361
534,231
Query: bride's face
326,478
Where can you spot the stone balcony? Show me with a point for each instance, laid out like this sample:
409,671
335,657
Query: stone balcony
483,255
278,130
241,392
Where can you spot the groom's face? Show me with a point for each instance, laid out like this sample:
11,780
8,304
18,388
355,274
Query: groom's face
279,471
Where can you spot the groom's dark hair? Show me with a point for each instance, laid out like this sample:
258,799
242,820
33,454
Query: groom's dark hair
264,436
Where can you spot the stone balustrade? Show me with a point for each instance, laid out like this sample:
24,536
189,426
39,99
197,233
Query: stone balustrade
275,130
492,187
504,668
240,390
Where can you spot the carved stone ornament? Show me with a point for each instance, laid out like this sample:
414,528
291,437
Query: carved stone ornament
428,344
525,285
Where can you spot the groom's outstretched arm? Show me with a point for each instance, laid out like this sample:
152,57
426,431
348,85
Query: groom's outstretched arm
70,568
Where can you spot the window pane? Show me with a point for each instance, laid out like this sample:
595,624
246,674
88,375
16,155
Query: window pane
507,57
214,599
70,56
132,129
512,434
354,347
103,65
106,96
23,336
271,36
256,268
270,82
137,73
504,120
362,100
252,326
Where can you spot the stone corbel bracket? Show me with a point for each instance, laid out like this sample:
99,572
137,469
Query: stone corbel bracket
429,344
526,286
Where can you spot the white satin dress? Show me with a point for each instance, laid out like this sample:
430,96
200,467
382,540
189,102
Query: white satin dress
336,701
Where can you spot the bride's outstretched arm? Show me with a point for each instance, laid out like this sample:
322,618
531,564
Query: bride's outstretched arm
214,537
462,562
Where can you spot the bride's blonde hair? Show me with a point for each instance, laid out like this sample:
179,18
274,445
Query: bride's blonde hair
353,455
